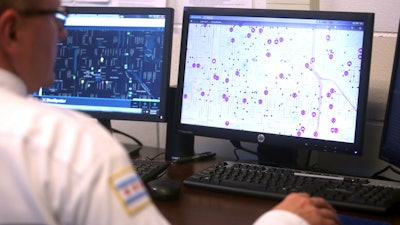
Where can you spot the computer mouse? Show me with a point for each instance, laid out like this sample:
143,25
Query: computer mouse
164,189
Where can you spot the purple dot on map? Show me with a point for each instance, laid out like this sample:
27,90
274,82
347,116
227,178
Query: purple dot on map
202,93
294,95
349,63
216,77
333,120
328,94
226,123
281,39
328,37
204,25
346,73
185,96
253,30
231,29
360,56
226,80
276,41
260,101
303,129
249,35
360,50
244,100
330,56
298,133
269,41
303,112
225,97
268,54
214,61
281,75
260,30
330,106
307,65
312,59
265,92
336,130
313,114
332,90
332,130
237,73
194,65
198,65
315,134
233,40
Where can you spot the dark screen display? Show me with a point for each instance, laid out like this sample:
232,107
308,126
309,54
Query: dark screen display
114,63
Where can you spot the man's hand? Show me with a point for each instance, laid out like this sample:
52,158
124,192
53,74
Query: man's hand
315,210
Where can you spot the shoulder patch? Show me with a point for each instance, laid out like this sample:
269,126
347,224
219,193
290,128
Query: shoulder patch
129,190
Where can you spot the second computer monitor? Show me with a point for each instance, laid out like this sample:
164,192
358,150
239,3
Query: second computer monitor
114,63
390,142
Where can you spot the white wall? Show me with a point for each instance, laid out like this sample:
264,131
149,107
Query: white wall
386,22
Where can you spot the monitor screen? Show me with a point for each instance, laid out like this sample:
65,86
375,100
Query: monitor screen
293,79
114,63
390,141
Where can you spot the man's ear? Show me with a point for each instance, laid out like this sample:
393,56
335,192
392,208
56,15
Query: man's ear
8,29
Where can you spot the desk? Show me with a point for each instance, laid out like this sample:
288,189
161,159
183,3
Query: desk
199,207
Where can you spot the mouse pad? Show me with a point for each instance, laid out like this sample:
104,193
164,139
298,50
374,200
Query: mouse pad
352,220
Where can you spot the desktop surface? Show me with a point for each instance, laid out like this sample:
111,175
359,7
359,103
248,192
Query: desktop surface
195,206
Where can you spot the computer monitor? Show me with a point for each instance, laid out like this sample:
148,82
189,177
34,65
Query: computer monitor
114,63
390,141
287,80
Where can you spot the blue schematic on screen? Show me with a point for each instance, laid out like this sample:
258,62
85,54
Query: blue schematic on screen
112,62
124,64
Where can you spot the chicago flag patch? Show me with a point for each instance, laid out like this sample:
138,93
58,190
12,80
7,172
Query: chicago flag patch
129,190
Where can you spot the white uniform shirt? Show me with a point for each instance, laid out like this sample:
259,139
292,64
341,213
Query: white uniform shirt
60,167
280,217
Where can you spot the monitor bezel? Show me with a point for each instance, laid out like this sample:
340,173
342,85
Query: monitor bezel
166,67
272,139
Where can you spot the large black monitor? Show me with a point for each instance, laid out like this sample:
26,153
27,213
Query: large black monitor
390,140
284,79
114,63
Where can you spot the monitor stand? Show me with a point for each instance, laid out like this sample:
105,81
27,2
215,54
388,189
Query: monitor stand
277,156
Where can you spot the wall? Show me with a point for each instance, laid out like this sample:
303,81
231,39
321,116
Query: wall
386,23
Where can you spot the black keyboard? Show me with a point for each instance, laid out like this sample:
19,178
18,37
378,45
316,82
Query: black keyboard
343,192
149,170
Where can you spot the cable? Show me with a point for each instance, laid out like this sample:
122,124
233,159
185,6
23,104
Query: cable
238,147
127,135
155,157
132,152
